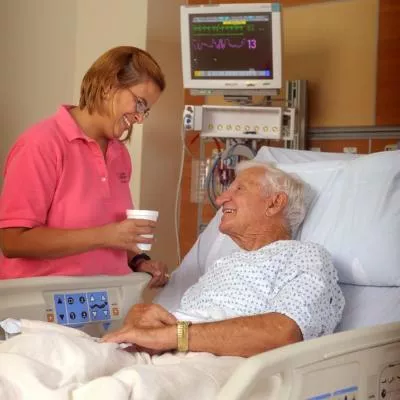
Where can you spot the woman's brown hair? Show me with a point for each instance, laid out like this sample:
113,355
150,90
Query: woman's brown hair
120,67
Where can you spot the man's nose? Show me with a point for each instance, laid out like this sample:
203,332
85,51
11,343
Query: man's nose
222,198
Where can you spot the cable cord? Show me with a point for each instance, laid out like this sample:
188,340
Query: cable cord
185,146
186,149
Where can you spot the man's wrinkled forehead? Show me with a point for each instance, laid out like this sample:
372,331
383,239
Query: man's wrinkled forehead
251,176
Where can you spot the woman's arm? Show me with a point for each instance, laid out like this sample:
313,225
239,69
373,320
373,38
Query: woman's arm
44,242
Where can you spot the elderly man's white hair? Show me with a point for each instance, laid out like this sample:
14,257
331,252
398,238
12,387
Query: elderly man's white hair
275,180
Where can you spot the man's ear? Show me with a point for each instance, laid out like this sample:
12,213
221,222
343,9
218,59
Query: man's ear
276,203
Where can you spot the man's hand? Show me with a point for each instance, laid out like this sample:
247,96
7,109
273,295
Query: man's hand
157,269
148,316
150,340
143,327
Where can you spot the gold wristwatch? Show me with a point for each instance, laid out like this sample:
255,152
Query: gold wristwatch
182,333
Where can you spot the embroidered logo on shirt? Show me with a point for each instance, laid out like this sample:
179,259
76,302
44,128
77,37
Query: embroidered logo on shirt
123,177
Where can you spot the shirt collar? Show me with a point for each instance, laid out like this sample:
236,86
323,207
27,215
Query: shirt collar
70,129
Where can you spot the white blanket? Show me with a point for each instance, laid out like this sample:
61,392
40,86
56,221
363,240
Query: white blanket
49,361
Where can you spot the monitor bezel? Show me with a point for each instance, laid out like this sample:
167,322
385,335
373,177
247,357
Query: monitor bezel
228,85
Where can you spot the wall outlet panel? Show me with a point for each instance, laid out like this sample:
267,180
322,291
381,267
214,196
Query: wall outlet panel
391,147
242,122
352,150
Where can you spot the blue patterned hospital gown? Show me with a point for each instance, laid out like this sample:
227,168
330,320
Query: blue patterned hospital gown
290,277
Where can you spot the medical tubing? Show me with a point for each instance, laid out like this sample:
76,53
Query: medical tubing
178,194
210,182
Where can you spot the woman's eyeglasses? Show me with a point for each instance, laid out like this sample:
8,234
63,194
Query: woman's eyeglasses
141,105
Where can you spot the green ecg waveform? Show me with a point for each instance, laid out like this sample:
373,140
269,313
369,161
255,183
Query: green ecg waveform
199,29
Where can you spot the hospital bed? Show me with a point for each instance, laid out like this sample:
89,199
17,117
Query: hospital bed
360,361
355,213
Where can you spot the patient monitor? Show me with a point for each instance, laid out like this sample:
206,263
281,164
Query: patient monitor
91,303
232,48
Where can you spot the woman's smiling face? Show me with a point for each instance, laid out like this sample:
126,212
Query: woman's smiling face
128,106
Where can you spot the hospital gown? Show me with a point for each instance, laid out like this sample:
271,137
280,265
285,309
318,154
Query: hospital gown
290,277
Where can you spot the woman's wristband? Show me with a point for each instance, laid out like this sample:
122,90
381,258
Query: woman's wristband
134,262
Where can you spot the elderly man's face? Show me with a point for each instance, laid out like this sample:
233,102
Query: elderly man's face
243,204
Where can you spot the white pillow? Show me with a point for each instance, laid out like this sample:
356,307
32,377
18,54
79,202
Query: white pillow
289,156
368,306
355,215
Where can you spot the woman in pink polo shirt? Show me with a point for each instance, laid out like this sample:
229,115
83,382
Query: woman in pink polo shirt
66,182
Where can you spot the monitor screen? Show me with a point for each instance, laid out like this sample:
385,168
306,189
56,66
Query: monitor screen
233,46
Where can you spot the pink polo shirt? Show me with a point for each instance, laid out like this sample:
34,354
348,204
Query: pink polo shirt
56,176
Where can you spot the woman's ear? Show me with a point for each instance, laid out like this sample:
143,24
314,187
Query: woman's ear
276,203
105,93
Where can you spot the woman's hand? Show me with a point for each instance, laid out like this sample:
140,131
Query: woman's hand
126,234
157,269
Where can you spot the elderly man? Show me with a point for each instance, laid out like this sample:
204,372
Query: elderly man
274,291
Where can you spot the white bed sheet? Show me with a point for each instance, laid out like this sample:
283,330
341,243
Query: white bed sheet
53,362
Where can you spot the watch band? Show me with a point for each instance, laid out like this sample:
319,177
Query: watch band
134,261
182,333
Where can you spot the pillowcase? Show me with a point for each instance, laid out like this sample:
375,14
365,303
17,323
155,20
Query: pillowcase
289,156
355,215
368,306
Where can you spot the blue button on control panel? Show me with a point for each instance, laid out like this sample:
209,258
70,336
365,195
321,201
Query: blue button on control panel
80,308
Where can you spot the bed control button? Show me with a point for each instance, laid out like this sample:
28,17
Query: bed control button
115,311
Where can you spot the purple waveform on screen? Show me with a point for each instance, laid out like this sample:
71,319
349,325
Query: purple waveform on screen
222,44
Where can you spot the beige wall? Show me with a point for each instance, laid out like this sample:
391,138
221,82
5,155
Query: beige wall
38,55
333,45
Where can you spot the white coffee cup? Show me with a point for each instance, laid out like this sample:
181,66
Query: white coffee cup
143,214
